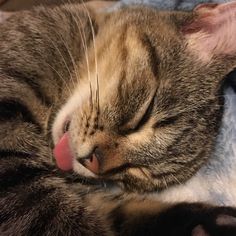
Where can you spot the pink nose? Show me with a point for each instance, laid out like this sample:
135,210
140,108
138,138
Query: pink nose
62,153
92,164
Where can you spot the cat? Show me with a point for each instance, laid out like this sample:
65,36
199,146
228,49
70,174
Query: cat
41,61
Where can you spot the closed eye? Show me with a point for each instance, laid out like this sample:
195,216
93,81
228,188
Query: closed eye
145,117
166,122
143,120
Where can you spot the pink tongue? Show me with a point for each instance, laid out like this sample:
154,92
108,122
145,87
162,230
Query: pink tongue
63,154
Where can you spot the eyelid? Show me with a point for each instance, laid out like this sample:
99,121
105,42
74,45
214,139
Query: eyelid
165,122
143,116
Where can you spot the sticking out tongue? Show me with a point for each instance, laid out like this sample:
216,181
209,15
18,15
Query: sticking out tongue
63,154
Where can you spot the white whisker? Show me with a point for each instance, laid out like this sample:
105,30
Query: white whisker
95,56
61,55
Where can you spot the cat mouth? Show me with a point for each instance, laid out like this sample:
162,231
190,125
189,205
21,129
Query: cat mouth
65,159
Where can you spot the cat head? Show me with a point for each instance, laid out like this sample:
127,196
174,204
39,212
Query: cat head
146,109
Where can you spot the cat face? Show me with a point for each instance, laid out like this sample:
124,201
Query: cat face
146,109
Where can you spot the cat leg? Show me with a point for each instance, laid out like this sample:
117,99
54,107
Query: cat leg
156,218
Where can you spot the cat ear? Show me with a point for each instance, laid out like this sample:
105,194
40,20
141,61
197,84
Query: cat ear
212,31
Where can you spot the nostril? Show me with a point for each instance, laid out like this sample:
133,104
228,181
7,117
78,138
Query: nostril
92,157
92,160
92,163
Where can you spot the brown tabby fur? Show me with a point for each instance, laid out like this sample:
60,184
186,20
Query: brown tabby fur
138,67
36,65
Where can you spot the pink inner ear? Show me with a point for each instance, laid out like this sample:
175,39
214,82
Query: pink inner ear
213,31
205,6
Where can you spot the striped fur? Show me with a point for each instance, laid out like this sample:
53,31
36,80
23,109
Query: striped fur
35,197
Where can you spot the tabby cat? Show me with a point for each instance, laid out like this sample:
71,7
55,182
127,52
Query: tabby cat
134,107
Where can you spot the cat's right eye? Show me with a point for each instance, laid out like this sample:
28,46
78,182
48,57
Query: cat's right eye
141,119
146,116
166,122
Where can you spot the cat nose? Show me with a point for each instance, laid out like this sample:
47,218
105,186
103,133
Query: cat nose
91,161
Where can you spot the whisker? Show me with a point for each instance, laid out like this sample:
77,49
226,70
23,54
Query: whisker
189,108
83,38
72,60
97,102
90,96
145,174
85,49
84,43
69,53
95,56
176,179
93,36
164,181
61,55
60,76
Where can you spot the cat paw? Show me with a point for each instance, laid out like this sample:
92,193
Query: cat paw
183,219
216,221
197,220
